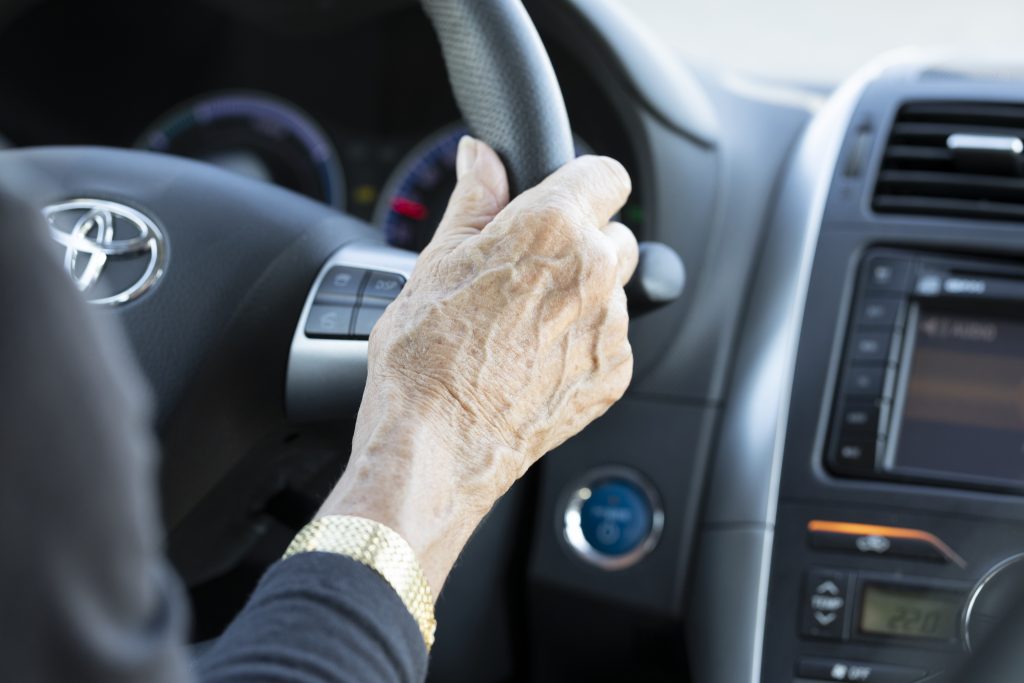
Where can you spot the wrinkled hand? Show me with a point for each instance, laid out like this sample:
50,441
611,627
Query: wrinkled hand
509,338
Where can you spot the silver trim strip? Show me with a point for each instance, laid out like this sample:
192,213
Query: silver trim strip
325,377
972,599
974,142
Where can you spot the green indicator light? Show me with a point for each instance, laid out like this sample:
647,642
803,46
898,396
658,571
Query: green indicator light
633,214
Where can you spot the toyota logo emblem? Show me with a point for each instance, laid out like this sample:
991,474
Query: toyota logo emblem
112,252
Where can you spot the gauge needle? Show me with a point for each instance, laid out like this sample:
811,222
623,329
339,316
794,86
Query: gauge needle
409,208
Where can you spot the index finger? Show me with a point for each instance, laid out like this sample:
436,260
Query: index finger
590,188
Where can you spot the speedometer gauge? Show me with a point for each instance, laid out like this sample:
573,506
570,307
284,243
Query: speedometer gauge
255,135
416,194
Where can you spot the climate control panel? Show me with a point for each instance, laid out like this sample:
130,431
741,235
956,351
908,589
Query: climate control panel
880,595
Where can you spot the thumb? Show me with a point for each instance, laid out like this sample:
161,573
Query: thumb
480,193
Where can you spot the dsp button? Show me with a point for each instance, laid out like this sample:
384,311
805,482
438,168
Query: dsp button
816,669
614,519
382,288
824,609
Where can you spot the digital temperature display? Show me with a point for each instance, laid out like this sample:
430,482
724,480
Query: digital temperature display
910,612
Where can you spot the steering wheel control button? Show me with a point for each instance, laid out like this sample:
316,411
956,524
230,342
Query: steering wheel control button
824,608
815,669
341,285
613,519
366,318
330,322
382,288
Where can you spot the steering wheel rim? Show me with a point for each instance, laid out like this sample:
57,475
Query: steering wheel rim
504,84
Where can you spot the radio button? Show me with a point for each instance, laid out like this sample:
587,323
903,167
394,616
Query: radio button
872,346
884,274
855,453
879,312
842,670
860,417
824,608
864,381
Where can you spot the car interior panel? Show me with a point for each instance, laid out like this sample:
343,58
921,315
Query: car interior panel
817,473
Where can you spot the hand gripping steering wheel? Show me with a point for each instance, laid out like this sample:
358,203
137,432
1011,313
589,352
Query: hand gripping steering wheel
214,276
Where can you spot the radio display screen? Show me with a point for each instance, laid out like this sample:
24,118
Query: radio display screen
961,416
909,612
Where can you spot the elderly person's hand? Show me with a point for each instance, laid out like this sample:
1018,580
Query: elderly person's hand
510,337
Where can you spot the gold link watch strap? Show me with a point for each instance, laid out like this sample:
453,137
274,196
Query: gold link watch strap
379,548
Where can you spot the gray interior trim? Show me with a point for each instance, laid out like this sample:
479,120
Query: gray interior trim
326,376
744,484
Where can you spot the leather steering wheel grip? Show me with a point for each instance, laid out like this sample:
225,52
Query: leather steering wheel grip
504,84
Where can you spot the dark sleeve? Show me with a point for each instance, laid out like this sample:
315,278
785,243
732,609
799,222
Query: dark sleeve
318,617
85,592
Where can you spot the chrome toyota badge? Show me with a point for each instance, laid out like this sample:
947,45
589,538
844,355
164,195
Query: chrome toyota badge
112,252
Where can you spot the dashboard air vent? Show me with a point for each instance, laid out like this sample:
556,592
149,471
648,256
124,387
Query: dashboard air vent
954,159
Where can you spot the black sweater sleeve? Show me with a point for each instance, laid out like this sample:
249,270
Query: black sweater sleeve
317,617
86,593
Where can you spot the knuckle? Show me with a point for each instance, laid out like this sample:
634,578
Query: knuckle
551,228
552,211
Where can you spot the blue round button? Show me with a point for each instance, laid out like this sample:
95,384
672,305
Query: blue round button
617,517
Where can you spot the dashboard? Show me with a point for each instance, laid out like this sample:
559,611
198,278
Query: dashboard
899,507
815,474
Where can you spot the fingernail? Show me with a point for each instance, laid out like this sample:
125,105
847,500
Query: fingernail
466,155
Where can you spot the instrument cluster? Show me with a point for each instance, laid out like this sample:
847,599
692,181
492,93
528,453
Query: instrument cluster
268,138
353,111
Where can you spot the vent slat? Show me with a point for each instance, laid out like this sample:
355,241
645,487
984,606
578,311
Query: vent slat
916,129
919,175
966,112
918,153
936,206
955,184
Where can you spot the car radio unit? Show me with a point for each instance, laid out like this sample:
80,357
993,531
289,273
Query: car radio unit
931,386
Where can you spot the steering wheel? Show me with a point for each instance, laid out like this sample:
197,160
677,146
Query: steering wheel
214,276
